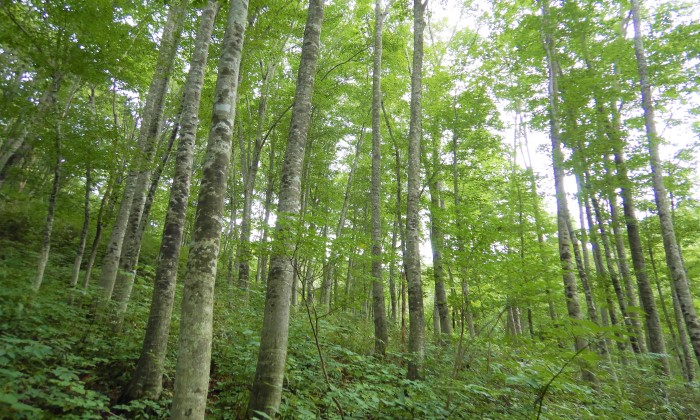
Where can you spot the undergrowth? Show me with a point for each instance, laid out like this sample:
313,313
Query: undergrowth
58,360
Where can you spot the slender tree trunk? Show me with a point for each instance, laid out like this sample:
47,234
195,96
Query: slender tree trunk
250,175
583,275
105,204
683,356
138,213
194,354
537,212
416,339
139,174
687,360
147,381
674,259
625,272
264,257
615,280
75,273
330,273
570,289
652,323
48,226
437,241
381,334
49,103
125,282
267,385
392,272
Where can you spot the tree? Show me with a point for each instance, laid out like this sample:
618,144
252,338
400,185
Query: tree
381,335
267,385
135,184
416,337
194,353
570,289
147,380
674,260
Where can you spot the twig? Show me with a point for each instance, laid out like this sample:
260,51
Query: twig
540,398
314,330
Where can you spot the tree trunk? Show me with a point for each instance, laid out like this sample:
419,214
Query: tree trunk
674,260
48,227
267,385
75,272
381,334
392,272
625,271
50,103
437,241
138,173
147,381
416,339
194,353
572,303
330,273
106,206
646,295
615,280
138,213
129,261
264,256
250,174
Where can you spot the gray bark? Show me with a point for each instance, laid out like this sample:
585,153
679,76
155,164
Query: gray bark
105,202
416,336
147,380
250,173
196,324
131,205
674,259
614,279
570,289
264,257
646,295
329,277
75,272
138,216
623,266
381,334
48,226
267,385
437,242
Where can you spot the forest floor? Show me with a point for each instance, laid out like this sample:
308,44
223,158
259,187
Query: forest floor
57,360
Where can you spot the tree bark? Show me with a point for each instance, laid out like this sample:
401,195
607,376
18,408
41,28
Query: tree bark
416,338
131,245
570,289
194,354
138,173
437,241
75,272
381,334
264,256
330,273
267,385
674,259
250,174
147,380
48,226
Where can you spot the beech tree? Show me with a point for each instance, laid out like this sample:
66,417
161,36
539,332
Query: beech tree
267,386
194,353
